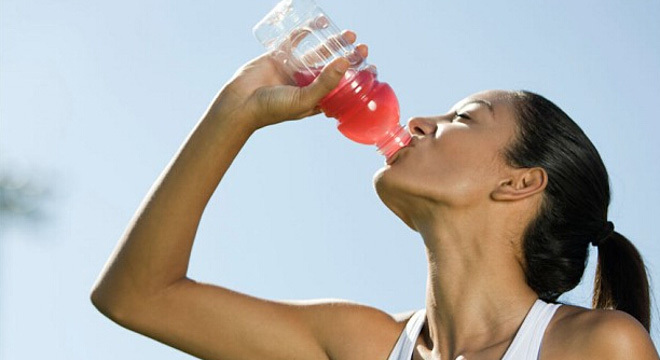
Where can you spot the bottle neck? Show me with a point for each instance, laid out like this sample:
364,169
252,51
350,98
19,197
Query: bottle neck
396,139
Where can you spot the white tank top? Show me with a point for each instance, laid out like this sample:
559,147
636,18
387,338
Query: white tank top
526,345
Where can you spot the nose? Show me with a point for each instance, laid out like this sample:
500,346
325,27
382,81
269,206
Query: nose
422,126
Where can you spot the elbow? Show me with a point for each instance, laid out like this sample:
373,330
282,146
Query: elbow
102,303
97,299
110,305
123,306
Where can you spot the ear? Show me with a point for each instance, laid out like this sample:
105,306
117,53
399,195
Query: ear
523,183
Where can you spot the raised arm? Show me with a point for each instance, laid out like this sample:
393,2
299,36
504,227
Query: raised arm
144,286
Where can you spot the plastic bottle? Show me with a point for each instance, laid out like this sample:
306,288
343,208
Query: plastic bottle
303,39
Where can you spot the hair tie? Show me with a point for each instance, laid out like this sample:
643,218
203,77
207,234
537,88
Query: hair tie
604,234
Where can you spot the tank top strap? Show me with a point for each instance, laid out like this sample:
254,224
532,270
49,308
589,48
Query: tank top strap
527,342
406,343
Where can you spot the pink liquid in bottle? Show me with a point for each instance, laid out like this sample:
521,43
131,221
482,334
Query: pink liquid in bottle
367,109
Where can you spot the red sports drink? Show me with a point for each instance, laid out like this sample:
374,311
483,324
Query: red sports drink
303,40
367,109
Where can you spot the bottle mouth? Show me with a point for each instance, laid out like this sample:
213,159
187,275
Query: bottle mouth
394,142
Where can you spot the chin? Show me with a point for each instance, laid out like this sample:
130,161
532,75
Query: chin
379,174
381,180
390,194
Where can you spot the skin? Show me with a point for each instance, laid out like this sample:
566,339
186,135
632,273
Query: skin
451,185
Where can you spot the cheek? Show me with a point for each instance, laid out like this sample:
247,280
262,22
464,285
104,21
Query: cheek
457,169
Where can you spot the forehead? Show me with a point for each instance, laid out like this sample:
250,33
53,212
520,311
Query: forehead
499,102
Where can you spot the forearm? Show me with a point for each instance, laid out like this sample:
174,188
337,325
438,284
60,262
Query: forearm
154,252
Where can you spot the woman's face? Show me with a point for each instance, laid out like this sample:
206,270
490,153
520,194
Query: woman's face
455,159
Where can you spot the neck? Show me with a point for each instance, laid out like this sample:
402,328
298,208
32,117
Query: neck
476,295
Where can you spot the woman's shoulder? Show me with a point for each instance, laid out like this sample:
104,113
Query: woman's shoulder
579,333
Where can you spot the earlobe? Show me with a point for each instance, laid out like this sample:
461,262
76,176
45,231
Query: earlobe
523,183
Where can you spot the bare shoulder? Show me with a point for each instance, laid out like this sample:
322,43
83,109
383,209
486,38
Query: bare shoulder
403,317
580,333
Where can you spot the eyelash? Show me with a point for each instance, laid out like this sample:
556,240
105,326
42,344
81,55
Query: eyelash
462,116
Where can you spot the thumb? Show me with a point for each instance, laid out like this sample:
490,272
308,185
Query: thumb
326,81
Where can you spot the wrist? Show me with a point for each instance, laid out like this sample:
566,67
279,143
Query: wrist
238,117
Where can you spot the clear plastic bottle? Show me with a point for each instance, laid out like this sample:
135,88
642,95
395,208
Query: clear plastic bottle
304,40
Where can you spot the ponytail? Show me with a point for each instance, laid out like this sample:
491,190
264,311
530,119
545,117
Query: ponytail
573,213
621,281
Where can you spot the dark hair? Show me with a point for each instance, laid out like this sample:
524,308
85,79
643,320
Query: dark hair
573,213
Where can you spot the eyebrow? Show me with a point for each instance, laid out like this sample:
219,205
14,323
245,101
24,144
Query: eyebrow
488,104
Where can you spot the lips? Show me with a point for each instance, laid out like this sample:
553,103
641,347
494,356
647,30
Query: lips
395,156
392,159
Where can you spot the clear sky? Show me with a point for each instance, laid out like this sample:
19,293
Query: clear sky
96,97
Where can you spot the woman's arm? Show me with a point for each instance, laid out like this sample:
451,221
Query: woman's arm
144,285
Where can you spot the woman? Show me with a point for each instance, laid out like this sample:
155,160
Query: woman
506,191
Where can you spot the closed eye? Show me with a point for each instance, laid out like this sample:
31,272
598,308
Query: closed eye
458,115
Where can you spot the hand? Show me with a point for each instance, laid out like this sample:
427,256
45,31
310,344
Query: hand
261,93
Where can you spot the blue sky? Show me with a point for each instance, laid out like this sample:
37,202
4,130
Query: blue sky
96,97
